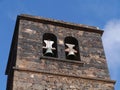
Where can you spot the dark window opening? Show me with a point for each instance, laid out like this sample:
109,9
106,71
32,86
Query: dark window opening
49,45
71,48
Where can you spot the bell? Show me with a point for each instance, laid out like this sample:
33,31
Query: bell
70,50
71,53
49,52
49,48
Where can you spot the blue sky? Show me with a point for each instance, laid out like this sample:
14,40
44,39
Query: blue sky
104,14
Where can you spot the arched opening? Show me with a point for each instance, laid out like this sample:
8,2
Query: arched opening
71,48
49,45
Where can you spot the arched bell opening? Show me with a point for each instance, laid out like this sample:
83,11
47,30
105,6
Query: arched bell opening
49,45
71,48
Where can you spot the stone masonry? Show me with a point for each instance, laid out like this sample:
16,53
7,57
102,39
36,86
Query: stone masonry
29,69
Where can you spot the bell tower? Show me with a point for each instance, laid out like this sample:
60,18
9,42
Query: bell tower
48,54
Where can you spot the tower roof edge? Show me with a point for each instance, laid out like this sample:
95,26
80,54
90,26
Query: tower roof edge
61,23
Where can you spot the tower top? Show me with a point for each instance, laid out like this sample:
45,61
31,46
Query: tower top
49,54
60,23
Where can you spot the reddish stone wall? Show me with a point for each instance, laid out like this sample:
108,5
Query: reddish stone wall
39,81
34,71
90,46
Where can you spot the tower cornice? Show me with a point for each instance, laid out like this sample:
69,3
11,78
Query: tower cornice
81,27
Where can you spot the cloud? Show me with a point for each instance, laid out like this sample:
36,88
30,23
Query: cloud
111,42
111,39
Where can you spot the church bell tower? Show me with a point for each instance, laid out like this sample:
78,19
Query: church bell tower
48,54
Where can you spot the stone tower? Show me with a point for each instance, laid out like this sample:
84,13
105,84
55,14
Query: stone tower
48,54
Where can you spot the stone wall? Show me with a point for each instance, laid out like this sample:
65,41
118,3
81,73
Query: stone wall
90,47
29,69
39,81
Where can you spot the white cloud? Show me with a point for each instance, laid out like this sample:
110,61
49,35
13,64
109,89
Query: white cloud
112,33
111,42
111,38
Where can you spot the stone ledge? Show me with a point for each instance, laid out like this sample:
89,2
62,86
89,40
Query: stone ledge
64,75
60,23
63,60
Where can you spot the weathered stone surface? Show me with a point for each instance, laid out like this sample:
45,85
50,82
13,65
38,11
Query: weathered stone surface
91,50
36,72
23,81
